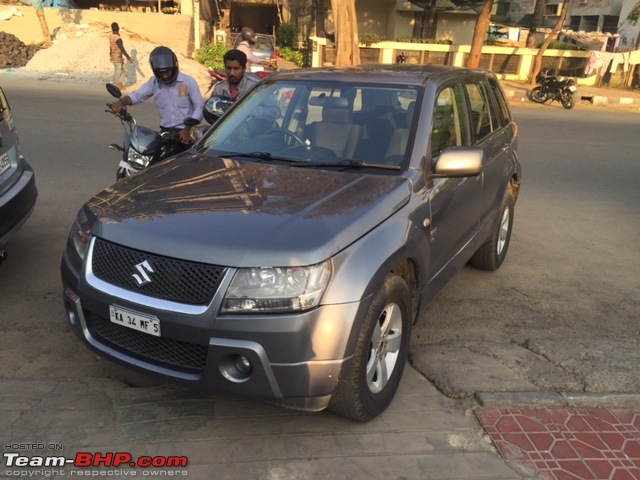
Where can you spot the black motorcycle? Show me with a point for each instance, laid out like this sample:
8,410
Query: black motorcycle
142,146
552,88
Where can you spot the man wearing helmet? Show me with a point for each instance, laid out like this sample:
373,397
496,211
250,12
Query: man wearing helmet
177,94
248,37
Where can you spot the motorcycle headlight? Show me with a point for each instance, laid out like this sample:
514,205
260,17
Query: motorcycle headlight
276,289
80,235
138,160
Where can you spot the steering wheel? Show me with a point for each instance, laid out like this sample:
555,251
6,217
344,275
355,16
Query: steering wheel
287,133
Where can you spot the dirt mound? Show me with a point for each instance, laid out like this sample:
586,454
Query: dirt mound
80,53
13,52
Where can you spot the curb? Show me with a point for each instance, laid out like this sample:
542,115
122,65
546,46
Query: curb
558,399
512,94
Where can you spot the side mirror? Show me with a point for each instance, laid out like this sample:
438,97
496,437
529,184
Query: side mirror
215,107
113,90
458,162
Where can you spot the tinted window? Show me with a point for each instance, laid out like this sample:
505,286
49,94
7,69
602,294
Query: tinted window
504,116
4,107
450,121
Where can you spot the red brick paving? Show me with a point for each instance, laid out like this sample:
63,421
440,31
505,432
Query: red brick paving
567,444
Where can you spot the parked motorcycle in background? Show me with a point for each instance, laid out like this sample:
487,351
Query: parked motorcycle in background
141,145
552,88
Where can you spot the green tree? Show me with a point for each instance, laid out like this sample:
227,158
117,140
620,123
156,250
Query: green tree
483,7
632,18
537,61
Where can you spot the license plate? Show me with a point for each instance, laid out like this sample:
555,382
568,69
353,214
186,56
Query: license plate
573,88
5,163
134,320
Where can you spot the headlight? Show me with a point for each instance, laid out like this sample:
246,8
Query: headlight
276,289
80,234
137,160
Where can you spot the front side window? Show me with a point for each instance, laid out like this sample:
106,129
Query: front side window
450,123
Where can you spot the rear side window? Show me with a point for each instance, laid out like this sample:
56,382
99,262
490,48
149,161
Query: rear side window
504,116
483,117
4,107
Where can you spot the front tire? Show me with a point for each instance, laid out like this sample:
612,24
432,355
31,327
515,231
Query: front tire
372,378
492,253
567,100
538,95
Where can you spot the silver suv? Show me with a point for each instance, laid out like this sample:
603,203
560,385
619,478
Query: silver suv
18,192
287,255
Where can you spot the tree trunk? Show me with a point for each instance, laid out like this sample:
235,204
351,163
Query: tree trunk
480,34
537,61
536,22
431,20
43,24
346,30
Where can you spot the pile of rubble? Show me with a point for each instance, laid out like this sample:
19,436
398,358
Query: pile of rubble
13,52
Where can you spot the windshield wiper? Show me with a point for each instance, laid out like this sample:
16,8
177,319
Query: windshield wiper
261,156
347,164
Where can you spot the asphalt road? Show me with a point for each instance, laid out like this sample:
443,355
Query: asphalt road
563,313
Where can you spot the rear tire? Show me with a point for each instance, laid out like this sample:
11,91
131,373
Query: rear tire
567,100
538,95
493,252
371,380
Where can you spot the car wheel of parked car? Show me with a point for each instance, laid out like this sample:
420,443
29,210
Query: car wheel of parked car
372,379
492,253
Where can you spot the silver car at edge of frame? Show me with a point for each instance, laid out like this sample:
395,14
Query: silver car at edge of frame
286,256
18,192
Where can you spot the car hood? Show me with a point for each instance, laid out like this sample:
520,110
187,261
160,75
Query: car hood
233,213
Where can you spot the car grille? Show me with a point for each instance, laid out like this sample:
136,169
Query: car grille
159,349
172,279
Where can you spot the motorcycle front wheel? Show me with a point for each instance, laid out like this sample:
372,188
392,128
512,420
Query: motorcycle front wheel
566,98
538,95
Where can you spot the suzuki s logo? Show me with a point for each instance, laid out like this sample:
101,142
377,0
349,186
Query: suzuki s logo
142,277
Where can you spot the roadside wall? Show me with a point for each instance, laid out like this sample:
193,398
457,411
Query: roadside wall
174,31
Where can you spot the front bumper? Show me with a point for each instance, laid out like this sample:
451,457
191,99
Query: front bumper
296,359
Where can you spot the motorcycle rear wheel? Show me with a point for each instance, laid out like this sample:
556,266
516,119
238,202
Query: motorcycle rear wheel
538,95
566,98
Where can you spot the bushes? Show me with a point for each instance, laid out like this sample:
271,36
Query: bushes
287,36
369,38
431,41
295,56
210,55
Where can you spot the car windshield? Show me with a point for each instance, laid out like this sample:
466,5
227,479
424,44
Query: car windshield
323,123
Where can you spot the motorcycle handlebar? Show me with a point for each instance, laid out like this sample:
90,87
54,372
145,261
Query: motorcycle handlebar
124,115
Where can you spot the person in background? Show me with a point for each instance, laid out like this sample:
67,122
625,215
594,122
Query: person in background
117,54
237,83
177,94
248,37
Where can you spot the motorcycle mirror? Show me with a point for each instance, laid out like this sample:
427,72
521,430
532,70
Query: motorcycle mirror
113,90
191,122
